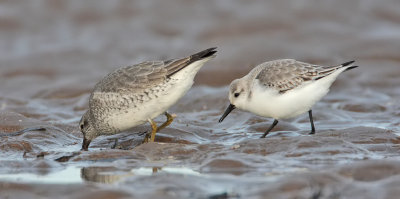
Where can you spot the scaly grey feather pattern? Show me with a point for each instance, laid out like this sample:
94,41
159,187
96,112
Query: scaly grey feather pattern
133,85
287,74
134,78
138,77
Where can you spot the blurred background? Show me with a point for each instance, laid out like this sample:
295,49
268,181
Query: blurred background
51,41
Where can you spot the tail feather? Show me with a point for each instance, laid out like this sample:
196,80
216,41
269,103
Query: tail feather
349,63
175,66
330,69
203,54
351,67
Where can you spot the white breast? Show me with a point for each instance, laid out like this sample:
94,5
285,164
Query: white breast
269,103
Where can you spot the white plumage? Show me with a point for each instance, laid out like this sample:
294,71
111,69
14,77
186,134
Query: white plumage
283,89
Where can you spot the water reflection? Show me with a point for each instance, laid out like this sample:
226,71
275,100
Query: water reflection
106,175
70,175
110,175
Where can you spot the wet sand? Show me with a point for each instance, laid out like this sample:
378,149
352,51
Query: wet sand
53,52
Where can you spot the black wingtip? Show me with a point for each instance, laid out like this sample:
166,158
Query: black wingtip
203,54
348,63
351,67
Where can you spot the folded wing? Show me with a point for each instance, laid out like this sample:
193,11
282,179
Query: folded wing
286,74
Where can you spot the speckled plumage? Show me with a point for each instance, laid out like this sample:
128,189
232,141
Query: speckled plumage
130,96
128,88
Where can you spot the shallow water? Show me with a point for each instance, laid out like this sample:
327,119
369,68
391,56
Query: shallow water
53,52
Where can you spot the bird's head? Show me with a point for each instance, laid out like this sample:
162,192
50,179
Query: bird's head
238,94
88,131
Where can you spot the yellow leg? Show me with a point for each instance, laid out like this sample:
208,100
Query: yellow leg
155,129
149,137
156,169
170,118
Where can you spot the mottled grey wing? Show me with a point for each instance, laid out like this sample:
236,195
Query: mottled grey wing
128,84
133,78
138,77
287,74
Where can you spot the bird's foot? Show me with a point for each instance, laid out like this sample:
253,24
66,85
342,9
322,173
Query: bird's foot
146,137
170,119
120,145
150,137
115,144
154,130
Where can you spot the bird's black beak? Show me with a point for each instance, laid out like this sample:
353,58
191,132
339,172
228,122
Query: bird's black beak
85,144
227,111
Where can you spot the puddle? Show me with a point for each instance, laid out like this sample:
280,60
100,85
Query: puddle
107,175
70,175
110,175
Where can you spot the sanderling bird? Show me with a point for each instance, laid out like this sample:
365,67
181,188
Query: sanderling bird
283,89
133,95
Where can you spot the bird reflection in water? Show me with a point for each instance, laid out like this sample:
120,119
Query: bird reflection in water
109,175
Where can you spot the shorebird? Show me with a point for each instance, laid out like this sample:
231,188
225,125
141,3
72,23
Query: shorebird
283,89
134,95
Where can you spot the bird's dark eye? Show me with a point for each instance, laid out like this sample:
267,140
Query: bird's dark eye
82,125
236,94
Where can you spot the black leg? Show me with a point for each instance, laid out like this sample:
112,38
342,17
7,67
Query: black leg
115,144
312,122
270,128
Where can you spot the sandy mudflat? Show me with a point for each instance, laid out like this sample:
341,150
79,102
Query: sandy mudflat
53,52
